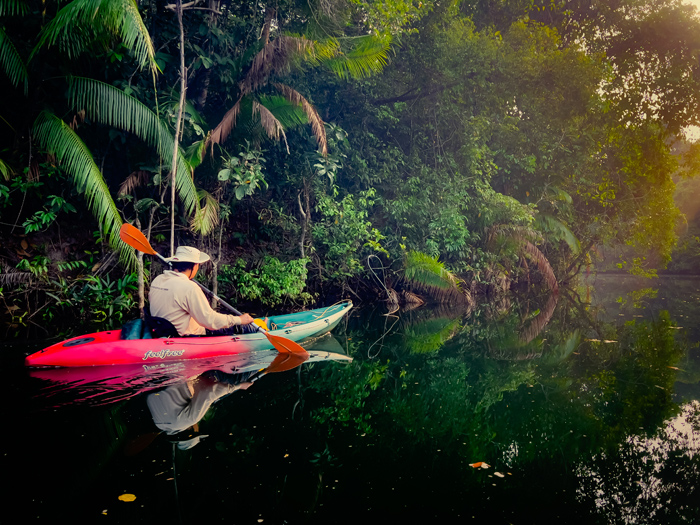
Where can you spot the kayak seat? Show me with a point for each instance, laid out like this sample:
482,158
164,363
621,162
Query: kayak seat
135,329
158,326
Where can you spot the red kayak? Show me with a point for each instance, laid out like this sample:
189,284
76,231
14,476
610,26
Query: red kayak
108,348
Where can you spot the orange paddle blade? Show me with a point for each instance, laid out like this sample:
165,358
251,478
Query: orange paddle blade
134,238
284,345
286,362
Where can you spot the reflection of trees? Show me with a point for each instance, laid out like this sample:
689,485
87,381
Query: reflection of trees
578,397
648,480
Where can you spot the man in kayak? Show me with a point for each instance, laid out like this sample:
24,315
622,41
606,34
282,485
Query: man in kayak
173,296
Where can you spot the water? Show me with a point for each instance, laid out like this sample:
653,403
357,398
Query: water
525,411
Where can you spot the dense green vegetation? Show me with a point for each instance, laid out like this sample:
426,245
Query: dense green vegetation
507,141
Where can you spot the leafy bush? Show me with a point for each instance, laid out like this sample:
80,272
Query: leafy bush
272,283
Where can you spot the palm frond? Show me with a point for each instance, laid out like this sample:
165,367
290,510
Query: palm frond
269,123
542,264
275,57
6,170
135,180
13,7
557,230
207,218
315,120
368,56
73,28
15,277
56,137
223,129
12,63
194,153
184,180
287,112
109,105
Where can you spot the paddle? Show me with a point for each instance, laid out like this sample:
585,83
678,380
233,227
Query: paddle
136,239
281,363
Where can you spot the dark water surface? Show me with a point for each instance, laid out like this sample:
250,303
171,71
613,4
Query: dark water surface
579,409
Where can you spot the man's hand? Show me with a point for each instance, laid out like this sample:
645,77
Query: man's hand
246,319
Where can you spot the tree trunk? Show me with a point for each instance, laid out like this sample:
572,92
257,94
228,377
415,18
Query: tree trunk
178,123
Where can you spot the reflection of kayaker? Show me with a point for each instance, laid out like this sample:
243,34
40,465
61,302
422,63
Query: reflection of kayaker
180,406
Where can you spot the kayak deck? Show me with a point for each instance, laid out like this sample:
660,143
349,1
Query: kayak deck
108,348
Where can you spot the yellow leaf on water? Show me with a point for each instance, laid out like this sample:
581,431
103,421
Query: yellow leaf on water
127,497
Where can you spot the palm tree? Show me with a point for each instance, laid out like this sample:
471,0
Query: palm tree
366,55
76,27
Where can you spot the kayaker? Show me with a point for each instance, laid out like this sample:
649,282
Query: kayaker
173,296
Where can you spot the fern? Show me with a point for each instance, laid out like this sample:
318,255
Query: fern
429,274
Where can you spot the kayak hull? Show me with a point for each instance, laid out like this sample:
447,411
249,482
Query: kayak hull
107,348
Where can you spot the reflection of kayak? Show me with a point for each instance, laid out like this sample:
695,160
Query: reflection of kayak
107,348
108,384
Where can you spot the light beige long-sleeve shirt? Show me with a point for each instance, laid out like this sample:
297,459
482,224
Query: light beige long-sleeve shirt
176,298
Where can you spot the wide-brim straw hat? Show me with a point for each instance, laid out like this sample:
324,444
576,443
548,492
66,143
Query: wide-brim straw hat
188,254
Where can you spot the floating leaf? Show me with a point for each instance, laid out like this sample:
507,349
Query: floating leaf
127,497
479,464
499,474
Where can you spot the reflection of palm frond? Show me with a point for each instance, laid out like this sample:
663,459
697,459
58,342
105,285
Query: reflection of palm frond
430,335
56,137
72,28
12,63
538,323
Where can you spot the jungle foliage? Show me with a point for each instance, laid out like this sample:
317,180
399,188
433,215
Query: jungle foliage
330,131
